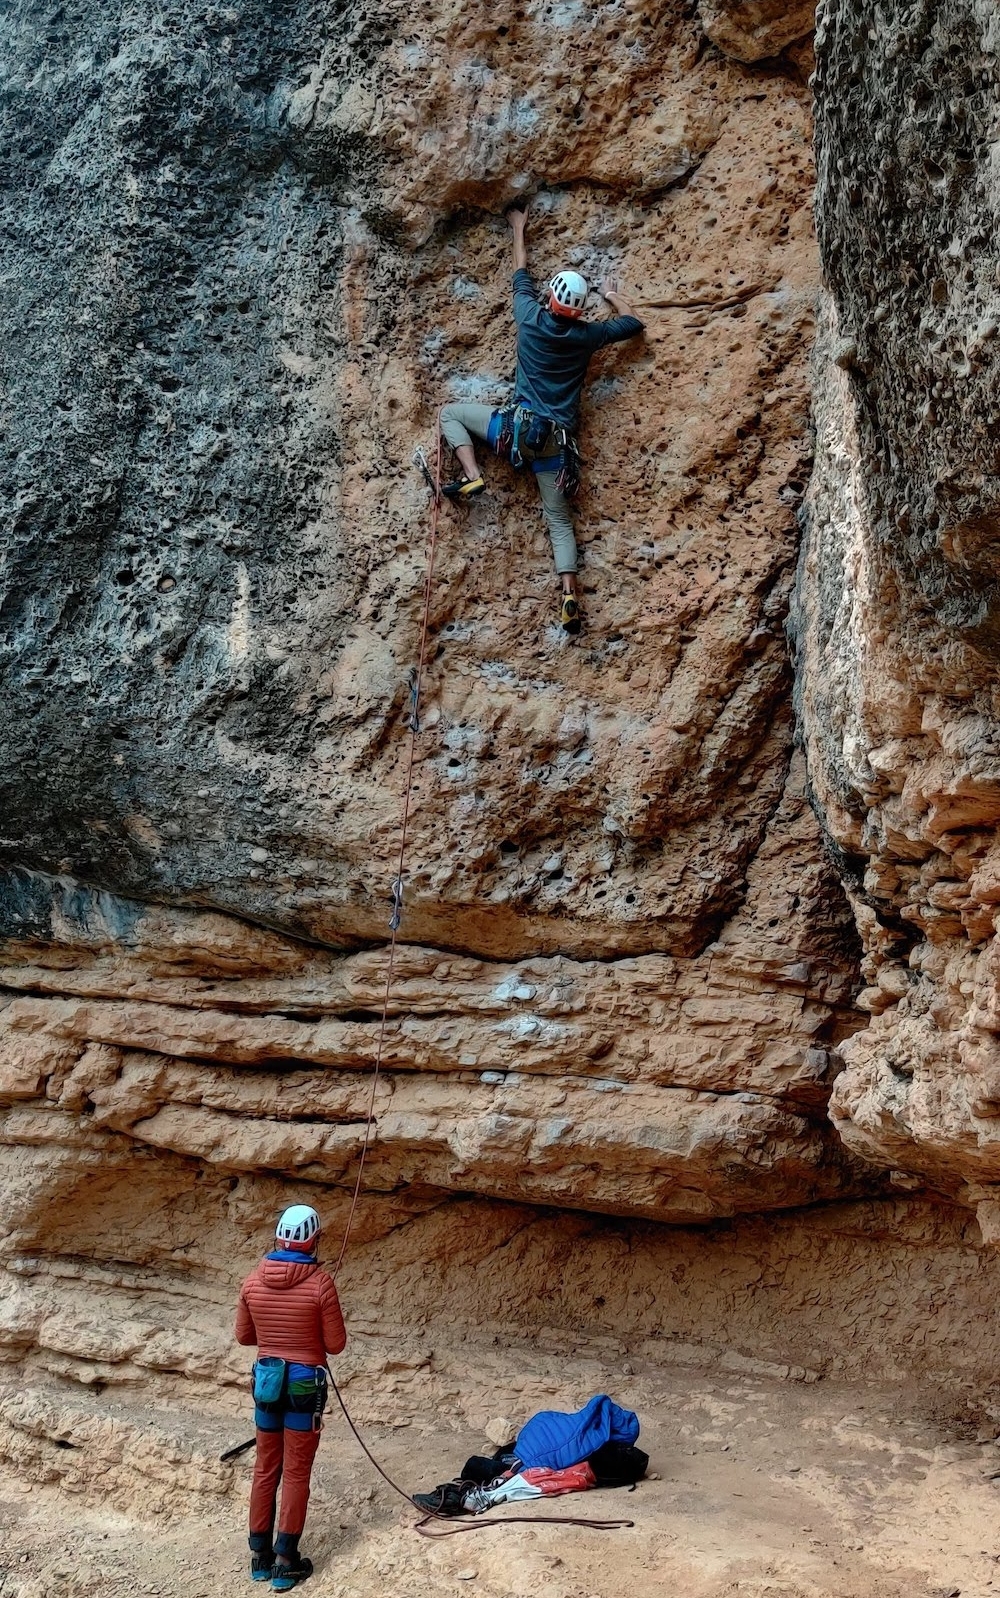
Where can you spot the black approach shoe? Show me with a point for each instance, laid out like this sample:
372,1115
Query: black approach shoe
261,1567
463,488
285,1577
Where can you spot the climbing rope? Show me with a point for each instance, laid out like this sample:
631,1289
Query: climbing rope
428,1517
413,724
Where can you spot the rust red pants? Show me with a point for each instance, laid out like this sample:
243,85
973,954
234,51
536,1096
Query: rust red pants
286,1456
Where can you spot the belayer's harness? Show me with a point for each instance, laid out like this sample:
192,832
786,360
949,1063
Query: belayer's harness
517,428
277,1391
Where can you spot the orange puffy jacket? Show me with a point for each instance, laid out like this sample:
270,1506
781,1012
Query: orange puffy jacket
291,1311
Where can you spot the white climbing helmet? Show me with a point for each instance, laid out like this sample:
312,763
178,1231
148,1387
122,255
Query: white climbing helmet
297,1227
568,294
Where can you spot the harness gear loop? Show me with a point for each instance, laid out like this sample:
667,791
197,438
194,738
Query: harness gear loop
569,475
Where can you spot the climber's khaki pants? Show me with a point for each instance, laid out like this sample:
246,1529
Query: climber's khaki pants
460,424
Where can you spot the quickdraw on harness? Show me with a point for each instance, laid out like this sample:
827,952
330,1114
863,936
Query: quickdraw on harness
570,473
517,428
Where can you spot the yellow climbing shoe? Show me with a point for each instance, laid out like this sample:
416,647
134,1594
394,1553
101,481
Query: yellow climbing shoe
570,614
463,488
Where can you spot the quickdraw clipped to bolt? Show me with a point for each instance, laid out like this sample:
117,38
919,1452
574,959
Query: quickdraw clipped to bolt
420,459
396,918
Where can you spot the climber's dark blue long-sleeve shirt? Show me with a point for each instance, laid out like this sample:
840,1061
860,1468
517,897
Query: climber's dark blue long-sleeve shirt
553,353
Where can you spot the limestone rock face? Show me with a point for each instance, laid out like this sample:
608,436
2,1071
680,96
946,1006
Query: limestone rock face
680,1090
897,610
248,256
749,30
288,257
225,356
248,253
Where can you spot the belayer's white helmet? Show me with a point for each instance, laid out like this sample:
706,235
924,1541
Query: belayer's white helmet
568,294
297,1227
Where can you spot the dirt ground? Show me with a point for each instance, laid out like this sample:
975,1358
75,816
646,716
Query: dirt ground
758,1488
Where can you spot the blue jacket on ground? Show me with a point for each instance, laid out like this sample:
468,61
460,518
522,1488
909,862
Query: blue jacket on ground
553,353
556,1440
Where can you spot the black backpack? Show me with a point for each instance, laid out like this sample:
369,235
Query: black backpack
485,1468
618,1464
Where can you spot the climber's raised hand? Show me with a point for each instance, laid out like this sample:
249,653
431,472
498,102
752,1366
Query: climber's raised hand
616,299
516,215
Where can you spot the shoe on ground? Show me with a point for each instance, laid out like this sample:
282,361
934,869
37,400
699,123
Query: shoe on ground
261,1567
463,488
285,1577
570,614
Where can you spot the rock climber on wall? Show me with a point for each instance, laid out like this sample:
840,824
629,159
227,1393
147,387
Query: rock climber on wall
553,352
289,1307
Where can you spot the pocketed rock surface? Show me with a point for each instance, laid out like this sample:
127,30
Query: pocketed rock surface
625,962
288,257
897,594
247,256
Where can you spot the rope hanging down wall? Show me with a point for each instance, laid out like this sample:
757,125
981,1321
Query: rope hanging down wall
413,724
427,1521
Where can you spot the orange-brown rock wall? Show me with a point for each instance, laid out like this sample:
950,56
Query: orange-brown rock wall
625,991
120,1275
625,963
897,593
626,986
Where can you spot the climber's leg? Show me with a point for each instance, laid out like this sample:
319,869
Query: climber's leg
459,425
555,507
300,1451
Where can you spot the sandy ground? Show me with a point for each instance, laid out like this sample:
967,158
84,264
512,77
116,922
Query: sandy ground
758,1488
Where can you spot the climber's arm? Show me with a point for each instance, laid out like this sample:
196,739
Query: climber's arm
515,221
525,292
246,1331
617,328
617,301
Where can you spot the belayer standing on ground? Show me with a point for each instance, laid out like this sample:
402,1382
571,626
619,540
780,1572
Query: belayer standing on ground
553,352
289,1307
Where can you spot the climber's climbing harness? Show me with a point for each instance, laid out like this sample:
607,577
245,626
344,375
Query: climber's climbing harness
517,428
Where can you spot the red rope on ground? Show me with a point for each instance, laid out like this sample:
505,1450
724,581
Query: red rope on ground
431,1515
423,1525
